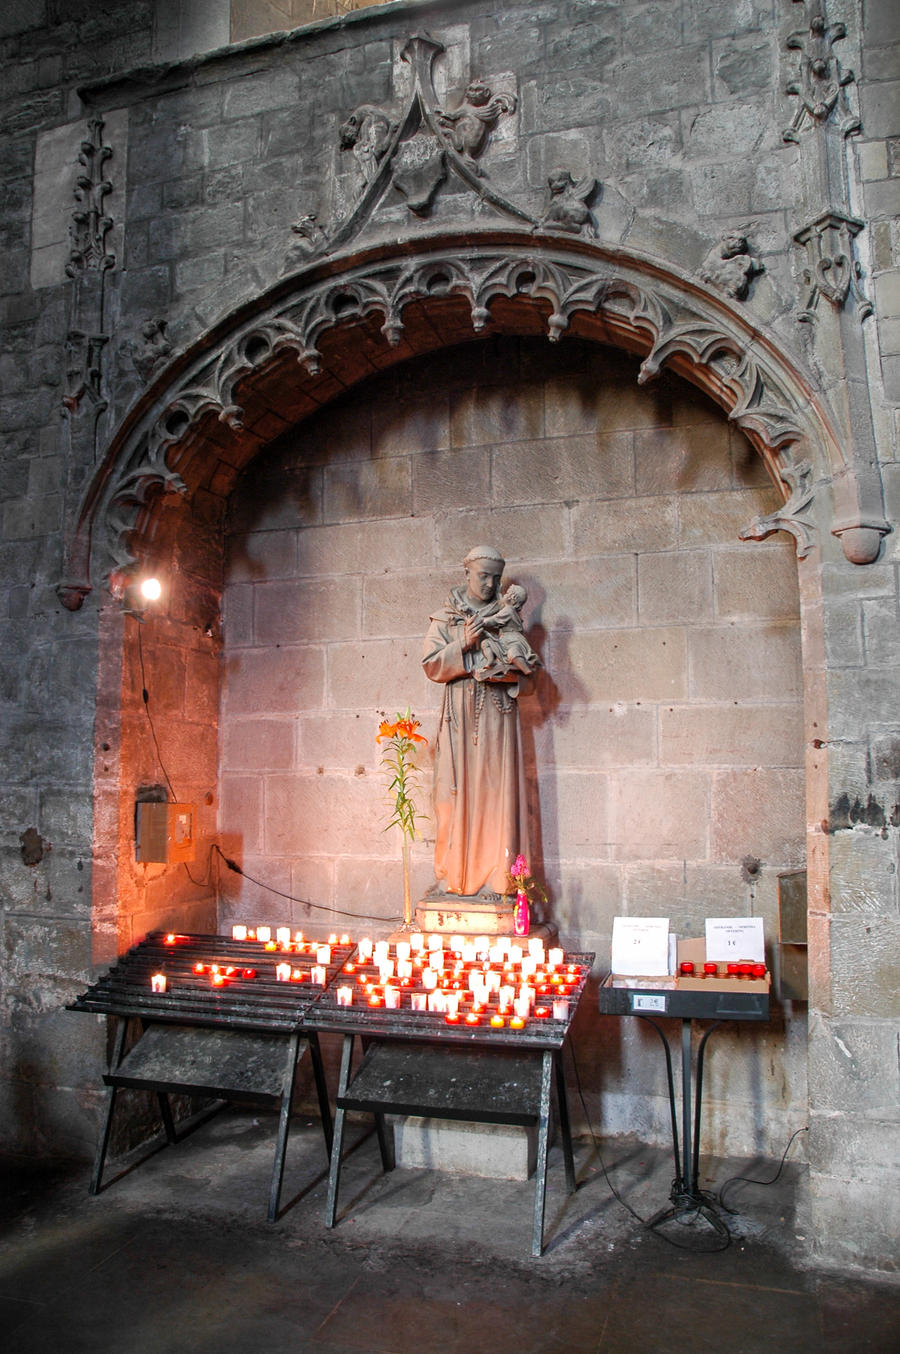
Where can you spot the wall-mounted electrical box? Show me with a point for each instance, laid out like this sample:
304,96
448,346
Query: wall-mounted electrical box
164,832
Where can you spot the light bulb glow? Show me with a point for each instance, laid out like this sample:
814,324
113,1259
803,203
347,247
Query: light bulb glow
151,589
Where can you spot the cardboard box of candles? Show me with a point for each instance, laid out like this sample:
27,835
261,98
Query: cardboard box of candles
698,974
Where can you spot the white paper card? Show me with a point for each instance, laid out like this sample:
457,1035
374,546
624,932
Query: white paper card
733,938
640,946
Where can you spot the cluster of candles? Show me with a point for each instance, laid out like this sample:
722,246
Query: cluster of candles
744,968
468,981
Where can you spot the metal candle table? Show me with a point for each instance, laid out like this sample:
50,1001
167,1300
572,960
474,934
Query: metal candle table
417,1063
224,1027
688,1006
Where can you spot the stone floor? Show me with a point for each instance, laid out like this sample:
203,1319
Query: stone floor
175,1255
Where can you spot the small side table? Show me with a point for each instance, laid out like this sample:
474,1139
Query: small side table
648,1004
483,1084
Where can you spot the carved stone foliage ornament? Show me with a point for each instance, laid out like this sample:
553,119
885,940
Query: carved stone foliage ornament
730,267
821,86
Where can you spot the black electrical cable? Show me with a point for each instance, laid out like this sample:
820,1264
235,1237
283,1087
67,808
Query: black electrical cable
145,696
722,1231
748,1180
292,898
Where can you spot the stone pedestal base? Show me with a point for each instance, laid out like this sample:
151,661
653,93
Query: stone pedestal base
448,914
498,1151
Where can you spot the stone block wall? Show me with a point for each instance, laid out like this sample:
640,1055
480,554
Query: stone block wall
664,742
679,111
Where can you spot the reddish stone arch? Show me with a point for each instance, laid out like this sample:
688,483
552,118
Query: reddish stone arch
319,332
177,455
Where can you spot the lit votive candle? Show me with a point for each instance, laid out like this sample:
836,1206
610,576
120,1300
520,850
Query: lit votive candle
403,950
496,954
473,1018
217,979
318,974
171,938
283,935
536,948
435,942
271,945
199,967
385,970
529,966
515,954
418,1001
429,979
521,1006
417,942
436,960
264,933
451,1002
298,975
283,973
497,1022
345,996
382,950
436,1001
469,953
517,1022
555,957
332,939
365,949
392,997
560,1008
238,932
157,982
452,1018
323,954
404,968
456,943
542,1012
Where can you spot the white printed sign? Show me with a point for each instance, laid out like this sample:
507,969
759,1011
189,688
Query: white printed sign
733,938
640,947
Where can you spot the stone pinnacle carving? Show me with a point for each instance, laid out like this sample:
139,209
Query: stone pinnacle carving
90,223
822,85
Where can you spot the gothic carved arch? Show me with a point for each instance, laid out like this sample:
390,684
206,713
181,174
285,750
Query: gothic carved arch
334,322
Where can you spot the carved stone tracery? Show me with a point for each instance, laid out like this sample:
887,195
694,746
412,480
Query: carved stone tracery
634,306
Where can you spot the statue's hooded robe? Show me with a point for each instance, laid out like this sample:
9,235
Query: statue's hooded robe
480,806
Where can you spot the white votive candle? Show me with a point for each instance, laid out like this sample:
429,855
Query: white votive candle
323,954
157,982
436,1001
435,942
385,970
436,961
522,1007
345,996
318,974
365,949
506,995
403,950
283,973
418,1001
392,997
560,1008
555,957
404,968
417,941
283,935
429,979
496,954
536,948
238,932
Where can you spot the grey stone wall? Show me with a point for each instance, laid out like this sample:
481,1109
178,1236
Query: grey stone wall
664,743
678,109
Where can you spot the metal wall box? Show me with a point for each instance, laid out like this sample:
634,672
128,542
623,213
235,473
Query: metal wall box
165,832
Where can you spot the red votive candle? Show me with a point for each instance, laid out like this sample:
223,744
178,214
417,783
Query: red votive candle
734,970
759,970
710,969
686,967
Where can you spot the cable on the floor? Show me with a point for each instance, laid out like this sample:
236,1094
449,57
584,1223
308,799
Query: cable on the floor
685,1219
748,1180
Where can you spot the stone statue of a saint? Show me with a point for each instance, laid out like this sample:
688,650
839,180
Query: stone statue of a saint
476,647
